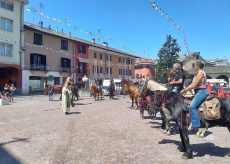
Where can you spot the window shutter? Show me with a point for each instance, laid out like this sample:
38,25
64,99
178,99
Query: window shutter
31,58
44,60
69,63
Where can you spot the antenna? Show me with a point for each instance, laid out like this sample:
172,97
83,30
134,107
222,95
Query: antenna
41,7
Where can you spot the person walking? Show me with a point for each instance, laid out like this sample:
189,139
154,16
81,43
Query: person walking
66,98
201,93
12,92
50,92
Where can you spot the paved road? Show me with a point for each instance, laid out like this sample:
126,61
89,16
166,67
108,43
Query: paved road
36,131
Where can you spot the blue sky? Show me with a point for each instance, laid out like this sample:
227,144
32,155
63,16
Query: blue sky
137,26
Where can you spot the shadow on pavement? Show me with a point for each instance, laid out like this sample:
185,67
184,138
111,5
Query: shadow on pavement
7,157
201,149
74,113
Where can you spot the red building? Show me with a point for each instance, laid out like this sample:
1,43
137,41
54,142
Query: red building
145,67
81,60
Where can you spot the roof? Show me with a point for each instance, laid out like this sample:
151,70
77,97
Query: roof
66,36
145,61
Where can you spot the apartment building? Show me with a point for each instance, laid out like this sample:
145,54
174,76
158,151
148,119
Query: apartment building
145,67
106,62
11,40
49,55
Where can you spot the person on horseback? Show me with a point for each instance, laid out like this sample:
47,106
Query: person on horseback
176,79
201,93
111,88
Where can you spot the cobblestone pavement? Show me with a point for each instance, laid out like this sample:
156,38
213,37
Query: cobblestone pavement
36,131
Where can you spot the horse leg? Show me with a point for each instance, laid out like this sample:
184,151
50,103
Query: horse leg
163,125
136,102
132,102
228,126
181,122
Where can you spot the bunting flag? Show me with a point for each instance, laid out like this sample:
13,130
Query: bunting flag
170,20
56,51
67,22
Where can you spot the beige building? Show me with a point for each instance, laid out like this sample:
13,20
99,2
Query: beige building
11,40
106,62
49,55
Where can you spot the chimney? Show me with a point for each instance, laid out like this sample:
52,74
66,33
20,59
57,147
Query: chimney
70,34
49,27
56,29
93,40
62,31
105,44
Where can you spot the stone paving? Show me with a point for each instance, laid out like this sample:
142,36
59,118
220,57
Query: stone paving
36,131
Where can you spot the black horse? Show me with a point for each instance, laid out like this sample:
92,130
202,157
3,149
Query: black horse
111,89
177,106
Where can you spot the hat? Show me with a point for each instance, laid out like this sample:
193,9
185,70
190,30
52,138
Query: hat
188,94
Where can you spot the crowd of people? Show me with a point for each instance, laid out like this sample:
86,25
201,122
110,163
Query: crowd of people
8,92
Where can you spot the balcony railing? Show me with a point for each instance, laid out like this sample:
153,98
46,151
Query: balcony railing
83,71
39,67
67,69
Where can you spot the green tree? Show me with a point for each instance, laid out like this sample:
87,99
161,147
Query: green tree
168,55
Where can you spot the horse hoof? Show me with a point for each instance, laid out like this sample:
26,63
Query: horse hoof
187,156
180,149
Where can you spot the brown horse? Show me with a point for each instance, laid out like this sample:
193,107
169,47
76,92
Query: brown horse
96,91
133,91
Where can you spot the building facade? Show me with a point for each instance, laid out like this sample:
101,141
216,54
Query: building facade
105,63
11,40
49,55
145,68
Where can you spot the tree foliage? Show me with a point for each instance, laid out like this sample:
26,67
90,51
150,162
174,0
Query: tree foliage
168,55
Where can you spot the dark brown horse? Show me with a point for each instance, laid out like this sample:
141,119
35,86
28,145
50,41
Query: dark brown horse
96,91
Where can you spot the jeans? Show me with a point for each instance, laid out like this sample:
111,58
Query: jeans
199,98
50,97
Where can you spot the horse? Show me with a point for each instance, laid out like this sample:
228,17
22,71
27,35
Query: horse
58,90
178,108
133,91
96,91
111,90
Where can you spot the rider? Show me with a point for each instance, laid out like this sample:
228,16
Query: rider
176,80
201,93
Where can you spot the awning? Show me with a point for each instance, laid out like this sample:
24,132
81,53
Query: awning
83,60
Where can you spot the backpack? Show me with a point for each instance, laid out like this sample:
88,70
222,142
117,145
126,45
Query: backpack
211,109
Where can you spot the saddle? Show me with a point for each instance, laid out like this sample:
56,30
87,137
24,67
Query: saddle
211,108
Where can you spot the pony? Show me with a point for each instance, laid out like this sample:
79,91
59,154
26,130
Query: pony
96,91
133,91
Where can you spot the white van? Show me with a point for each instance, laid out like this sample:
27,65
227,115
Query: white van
106,83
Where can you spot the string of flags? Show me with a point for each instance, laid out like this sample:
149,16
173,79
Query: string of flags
61,52
169,19
67,22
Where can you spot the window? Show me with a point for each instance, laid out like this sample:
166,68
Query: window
101,56
65,63
37,39
81,49
111,70
119,60
64,44
147,66
93,68
6,24
107,58
101,69
7,5
130,72
107,70
95,55
110,58
38,61
6,49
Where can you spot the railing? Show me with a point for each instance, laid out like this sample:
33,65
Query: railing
84,71
39,67
67,69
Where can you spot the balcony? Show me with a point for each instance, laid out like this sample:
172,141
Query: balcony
67,69
39,67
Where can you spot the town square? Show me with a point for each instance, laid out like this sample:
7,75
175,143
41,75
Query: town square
114,82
